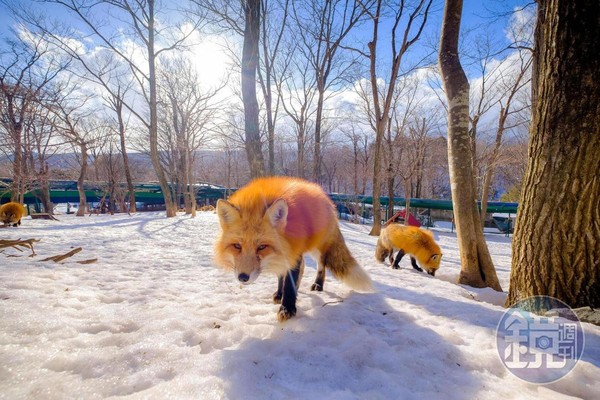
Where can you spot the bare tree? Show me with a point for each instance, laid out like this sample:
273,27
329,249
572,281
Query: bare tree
325,27
26,68
382,97
556,249
139,18
40,142
296,89
361,156
102,67
477,268
249,67
400,153
414,143
508,108
116,101
484,92
108,166
244,18
187,113
77,128
273,26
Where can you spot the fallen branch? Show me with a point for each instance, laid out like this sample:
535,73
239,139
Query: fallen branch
61,257
90,261
27,243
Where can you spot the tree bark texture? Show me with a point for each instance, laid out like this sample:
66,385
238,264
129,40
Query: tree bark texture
170,205
556,246
376,229
477,269
249,66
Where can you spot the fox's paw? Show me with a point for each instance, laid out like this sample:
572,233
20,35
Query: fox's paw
317,287
285,313
395,266
277,298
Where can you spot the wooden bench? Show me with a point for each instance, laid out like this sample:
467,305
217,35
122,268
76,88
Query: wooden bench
42,216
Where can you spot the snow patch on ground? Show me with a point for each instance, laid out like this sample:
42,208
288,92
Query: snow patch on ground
154,318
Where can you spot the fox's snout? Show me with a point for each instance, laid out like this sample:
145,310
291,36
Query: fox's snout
243,277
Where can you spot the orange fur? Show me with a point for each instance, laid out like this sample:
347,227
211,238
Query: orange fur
11,213
270,223
411,240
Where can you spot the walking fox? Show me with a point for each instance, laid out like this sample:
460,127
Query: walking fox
409,240
11,213
270,223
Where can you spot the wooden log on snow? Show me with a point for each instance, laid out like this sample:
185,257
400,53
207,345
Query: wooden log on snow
27,243
61,257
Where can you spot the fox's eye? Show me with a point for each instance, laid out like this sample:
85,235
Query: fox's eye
237,246
261,247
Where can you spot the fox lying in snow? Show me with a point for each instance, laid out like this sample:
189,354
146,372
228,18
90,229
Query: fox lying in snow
411,240
11,213
270,223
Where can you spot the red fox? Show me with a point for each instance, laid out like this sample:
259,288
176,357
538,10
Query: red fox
270,223
11,213
412,240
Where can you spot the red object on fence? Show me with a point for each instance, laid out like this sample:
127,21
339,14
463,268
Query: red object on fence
400,214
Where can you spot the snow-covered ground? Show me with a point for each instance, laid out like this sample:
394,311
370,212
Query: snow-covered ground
154,318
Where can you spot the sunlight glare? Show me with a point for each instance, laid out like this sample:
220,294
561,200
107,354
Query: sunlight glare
212,62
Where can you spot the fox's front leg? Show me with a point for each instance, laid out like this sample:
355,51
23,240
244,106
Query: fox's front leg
413,261
399,256
279,293
289,293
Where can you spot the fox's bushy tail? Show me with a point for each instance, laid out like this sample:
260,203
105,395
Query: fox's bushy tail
343,266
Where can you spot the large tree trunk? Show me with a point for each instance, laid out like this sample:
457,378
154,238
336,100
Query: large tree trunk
556,246
249,65
376,229
170,205
477,268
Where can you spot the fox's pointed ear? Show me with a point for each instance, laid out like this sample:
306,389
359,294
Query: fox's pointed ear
277,214
436,256
227,212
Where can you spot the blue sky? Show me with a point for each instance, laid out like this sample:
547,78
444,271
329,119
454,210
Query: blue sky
476,14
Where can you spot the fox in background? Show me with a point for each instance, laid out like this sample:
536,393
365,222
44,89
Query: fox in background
268,225
11,213
411,240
